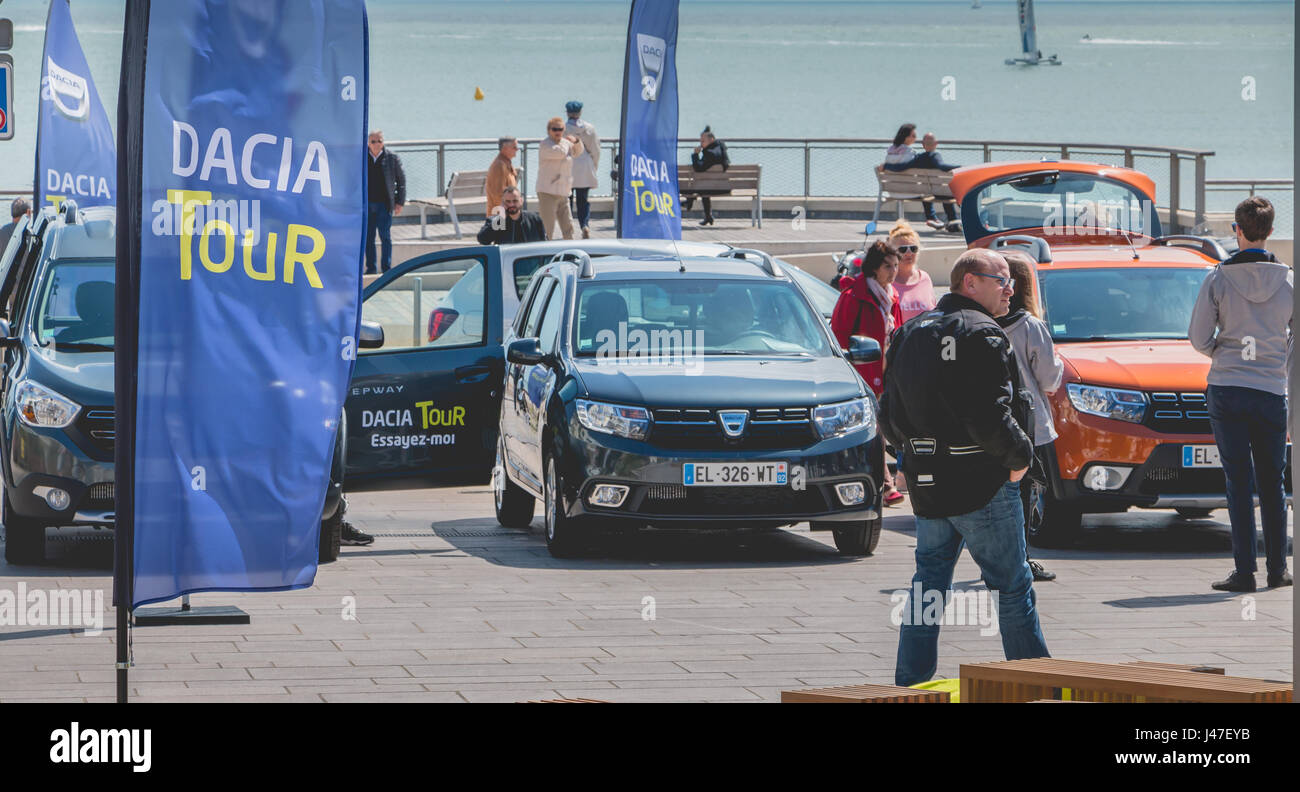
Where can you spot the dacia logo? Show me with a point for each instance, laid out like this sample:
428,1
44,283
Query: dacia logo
70,92
733,422
650,55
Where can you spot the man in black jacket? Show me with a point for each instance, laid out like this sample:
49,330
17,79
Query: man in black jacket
386,191
951,405
510,223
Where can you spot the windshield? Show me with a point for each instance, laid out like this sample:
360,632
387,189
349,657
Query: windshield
749,317
74,310
1119,304
1055,201
822,294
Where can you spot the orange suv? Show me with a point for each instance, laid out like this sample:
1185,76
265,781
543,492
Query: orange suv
1117,297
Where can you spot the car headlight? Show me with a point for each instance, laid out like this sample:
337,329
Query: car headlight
842,417
1122,405
39,406
615,419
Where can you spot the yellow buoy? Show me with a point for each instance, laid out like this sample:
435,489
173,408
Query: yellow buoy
478,94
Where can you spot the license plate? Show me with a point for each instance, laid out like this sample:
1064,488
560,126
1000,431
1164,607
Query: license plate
1201,456
735,474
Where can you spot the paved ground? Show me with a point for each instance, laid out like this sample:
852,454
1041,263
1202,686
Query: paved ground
449,606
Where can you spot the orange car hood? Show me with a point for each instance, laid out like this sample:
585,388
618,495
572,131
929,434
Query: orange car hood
1136,365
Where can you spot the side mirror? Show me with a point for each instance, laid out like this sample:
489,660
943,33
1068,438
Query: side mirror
525,351
372,335
863,349
6,335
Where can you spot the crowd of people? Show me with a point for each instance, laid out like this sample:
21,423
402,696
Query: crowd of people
964,384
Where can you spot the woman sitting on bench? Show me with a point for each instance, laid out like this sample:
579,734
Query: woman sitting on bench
710,152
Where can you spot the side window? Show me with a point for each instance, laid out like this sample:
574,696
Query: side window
535,314
524,267
441,304
525,306
550,329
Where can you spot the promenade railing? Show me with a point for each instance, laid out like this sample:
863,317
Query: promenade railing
834,167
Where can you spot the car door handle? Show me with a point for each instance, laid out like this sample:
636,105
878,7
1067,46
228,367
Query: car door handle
468,375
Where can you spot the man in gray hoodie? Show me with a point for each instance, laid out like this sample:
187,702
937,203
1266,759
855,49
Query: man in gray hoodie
1242,321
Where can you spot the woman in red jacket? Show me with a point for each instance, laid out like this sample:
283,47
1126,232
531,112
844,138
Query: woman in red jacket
868,306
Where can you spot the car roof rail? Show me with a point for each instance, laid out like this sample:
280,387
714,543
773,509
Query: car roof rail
1206,245
765,262
1038,247
579,257
68,210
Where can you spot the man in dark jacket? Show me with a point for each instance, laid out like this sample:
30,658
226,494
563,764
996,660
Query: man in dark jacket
510,223
951,405
17,209
386,190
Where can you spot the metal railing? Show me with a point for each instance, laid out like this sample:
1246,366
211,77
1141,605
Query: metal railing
1223,195
836,167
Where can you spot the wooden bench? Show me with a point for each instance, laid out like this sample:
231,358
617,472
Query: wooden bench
913,184
740,180
863,694
1044,677
463,188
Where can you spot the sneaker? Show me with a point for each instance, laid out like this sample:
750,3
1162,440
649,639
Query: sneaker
892,497
586,233
934,223
351,536
1041,575
1278,581
953,227
1237,581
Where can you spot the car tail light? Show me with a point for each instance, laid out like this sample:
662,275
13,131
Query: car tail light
440,320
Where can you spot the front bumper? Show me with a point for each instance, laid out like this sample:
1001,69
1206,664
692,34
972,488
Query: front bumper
40,459
657,495
1160,482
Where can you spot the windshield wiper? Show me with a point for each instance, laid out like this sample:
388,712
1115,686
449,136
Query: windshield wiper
83,346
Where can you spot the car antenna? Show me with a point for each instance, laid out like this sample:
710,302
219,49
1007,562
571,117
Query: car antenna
1136,257
681,265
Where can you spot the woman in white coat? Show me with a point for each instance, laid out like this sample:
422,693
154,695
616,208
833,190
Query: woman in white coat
1040,374
555,155
584,164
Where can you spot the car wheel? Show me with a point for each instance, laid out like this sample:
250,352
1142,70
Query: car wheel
855,538
1052,523
24,538
564,534
331,537
514,504
1194,514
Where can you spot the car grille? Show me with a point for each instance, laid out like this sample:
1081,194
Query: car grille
1160,480
1178,413
101,494
97,424
680,500
766,429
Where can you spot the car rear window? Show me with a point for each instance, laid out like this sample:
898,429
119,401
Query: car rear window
1119,303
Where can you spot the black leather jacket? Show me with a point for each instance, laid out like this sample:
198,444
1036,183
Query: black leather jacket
953,404
528,228
394,177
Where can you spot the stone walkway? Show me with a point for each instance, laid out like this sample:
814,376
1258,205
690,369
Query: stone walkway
449,606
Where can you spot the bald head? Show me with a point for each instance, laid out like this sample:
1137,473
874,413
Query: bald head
929,142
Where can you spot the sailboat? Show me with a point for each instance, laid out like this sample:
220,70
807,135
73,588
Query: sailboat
1030,55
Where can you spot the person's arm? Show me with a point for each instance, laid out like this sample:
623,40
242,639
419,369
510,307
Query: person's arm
486,235
399,200
983,401
496,182
594,148
1205,319
1046,366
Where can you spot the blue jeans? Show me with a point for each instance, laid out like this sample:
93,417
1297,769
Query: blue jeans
995,535
379,218
1250,431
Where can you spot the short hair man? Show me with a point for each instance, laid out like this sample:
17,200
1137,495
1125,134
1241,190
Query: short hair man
1242,321
17,209
511,223
386,195
951,403
502,172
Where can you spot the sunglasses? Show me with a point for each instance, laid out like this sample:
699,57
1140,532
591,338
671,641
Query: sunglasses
1006,282
908,248
556,129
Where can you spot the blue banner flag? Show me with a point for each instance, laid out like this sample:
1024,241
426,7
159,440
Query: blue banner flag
648,135
252,209
75,154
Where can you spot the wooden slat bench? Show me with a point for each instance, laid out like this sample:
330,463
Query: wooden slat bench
863,694
1029,680
913,184
464,188
1200,669
739,180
